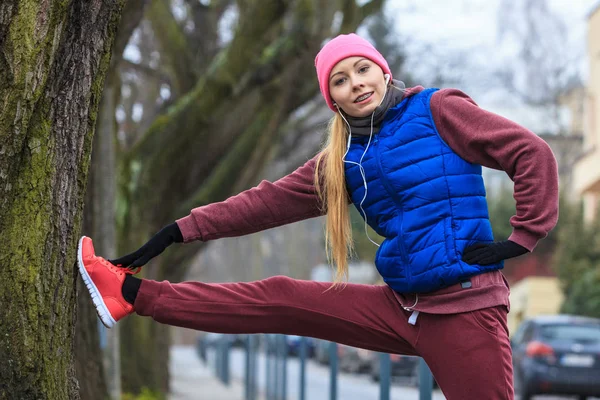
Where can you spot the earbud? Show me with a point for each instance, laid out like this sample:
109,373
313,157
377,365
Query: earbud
387,78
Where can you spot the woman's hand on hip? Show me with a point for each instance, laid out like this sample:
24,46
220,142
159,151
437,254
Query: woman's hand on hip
491,253
157,244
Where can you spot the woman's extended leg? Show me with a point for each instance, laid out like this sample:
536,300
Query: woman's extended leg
363,316
358,315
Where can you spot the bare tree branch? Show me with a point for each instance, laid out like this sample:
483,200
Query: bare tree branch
175,49
146,70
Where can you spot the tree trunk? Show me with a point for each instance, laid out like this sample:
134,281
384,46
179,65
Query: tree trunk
53,58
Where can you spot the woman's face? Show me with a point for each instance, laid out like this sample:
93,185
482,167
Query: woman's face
357,85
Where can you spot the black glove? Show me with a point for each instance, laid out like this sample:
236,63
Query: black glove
491,253
157,244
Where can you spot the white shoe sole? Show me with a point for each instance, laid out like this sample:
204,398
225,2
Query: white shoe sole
101,308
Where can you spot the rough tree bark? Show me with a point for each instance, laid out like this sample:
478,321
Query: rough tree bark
53,59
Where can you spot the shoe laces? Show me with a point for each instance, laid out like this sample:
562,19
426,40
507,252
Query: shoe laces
119,269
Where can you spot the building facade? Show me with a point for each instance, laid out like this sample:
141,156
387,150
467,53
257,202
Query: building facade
534,295
586,176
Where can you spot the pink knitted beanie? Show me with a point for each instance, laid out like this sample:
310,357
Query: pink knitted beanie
344,46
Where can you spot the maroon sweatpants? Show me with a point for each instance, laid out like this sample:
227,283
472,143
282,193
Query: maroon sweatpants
468,353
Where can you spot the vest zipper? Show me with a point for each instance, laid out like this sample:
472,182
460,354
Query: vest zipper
396,200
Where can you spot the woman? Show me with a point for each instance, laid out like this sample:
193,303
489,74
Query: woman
410,161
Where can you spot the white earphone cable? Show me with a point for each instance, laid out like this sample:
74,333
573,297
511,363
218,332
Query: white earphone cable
359,163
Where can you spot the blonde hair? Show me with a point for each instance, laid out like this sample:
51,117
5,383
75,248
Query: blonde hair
334,197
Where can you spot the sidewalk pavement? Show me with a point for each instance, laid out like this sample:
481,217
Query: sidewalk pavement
193,380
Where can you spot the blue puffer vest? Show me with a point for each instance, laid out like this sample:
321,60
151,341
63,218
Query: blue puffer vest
426,201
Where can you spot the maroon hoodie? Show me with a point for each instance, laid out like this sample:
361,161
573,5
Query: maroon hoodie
476,135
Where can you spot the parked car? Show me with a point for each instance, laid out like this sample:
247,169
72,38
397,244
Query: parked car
210,340
353,360
350,359
293,345
558,355
321,352
400,366
417,377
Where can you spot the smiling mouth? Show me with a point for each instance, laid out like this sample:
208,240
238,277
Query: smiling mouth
363,97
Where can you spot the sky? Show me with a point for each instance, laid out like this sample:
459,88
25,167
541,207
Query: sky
471,21
467,32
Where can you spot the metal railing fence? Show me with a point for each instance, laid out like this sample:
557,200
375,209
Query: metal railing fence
276,361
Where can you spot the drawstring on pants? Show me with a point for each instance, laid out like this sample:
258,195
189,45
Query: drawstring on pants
415,314
413,318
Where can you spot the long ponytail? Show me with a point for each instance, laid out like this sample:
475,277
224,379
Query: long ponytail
333,194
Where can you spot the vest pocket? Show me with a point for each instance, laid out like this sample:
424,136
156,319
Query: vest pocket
449,240
390,260
402,248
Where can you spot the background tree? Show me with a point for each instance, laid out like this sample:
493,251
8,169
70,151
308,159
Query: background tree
538,67
501,206
578,262
545,66
53,60
200,112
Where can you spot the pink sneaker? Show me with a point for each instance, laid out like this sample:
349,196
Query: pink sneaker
104,281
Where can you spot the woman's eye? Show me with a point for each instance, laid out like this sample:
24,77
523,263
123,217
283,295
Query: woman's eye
363,69
339,81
